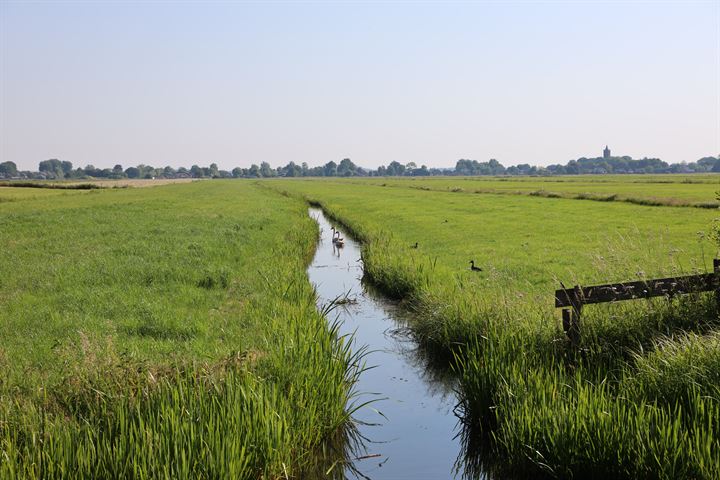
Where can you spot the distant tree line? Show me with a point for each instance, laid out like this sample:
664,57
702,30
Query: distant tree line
585,166
626,164
54,169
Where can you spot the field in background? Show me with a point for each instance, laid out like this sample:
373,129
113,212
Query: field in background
10,194
138,182
120,183
526,243
638,398
670,190
164,332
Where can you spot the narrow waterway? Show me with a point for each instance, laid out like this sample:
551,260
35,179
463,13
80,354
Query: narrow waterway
411,427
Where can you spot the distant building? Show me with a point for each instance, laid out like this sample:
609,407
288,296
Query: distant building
606,152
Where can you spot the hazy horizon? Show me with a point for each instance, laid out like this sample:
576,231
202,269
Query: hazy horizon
237,83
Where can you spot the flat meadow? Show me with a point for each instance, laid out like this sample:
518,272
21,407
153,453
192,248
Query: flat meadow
699,190
166,332
639,397
172,331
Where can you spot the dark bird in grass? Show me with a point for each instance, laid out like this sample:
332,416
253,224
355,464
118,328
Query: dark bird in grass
414,246
473,267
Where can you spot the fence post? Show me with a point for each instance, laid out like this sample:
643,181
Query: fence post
566,320
571,317
716,270
577,311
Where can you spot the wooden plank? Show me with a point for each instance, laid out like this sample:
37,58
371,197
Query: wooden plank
641,289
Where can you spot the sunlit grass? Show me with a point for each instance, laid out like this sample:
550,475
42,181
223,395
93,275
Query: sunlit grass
167,333
636,399
670,190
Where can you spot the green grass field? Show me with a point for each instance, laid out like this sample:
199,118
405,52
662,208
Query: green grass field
172,332
670,190
526,242
636,399
165,332
26,194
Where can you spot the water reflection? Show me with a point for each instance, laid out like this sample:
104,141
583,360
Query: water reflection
411,430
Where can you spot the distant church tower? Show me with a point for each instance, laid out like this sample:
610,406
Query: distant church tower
606,152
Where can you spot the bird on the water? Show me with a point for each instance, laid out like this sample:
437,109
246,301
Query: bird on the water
337,239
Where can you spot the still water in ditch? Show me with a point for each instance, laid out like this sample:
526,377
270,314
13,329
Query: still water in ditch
414,436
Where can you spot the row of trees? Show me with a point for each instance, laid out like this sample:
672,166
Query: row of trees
628,165
584,166
346,168
57,169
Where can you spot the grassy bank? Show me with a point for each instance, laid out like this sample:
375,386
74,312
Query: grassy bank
167,332
635,400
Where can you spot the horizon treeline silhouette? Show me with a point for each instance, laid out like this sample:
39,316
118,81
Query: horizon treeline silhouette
54,169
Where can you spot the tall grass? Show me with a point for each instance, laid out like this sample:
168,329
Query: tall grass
199,422
637,399
168,333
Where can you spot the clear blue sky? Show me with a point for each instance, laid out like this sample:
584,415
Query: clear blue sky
182,83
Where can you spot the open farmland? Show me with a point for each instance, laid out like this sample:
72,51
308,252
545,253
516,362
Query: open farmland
17,194
173,332
89,183
637,398
134,183
165,333
527,242
664,190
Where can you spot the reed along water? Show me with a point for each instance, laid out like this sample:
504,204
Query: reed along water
410,429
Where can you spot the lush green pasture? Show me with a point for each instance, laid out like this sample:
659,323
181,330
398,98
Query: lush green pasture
637,399
9,194
166,332
671,190
527,243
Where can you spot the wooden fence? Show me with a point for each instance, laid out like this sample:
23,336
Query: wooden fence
572,300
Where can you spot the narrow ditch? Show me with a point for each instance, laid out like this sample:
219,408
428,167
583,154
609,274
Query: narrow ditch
410,429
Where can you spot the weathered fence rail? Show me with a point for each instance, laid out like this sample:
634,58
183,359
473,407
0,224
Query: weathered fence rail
572,300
